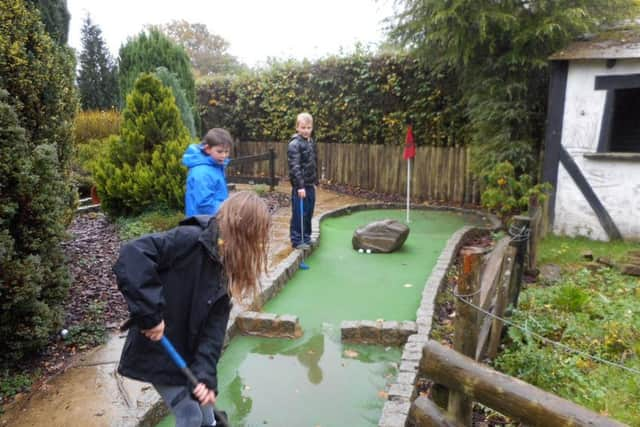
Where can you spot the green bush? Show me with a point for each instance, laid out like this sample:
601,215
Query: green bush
142,167
37,107
85,160
356,99
505,194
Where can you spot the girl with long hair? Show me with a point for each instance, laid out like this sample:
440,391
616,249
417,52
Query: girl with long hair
180,283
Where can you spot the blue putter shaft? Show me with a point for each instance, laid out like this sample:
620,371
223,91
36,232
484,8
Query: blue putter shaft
178,360
303,265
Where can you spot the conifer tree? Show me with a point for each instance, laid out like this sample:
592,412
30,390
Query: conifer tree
170,80
148,51
37,110
143,166
97,78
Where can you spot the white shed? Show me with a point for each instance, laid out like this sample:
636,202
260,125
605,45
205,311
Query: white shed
592,141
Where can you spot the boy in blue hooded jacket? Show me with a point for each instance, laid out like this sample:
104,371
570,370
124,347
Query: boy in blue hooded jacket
206,182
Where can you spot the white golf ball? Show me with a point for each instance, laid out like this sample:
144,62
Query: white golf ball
368,251
64,333
361,250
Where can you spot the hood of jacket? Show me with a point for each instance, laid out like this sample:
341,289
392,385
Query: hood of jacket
209,235
195,156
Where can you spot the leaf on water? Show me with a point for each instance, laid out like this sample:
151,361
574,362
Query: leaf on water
383,394
408,285
351,353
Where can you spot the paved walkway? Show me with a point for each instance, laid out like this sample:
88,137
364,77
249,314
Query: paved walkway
90,393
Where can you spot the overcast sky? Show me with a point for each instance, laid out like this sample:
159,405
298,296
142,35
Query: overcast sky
256,29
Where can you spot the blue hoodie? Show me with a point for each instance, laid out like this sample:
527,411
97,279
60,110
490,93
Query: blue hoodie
206,183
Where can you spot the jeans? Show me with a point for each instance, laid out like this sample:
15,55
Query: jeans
303,219
185,407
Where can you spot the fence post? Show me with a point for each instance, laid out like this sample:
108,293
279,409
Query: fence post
535,213
466,325
272,168
519,231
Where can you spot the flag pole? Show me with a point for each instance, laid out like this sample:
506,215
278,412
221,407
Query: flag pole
408,185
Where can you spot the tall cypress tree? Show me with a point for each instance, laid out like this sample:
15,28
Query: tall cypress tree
97,78
55,16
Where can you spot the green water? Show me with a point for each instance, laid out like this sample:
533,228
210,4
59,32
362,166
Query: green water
316,380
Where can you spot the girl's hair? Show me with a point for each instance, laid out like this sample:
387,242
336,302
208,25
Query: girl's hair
244,224
217,136
304,118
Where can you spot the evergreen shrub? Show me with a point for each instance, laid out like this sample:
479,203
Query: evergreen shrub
148,51
37,108
142,167
34,280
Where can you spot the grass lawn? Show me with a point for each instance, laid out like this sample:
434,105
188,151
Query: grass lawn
594,309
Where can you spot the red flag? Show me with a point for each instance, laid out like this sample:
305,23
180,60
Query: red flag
409,145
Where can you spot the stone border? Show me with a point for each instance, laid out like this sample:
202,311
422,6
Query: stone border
268,325
396,410
401,393
380,332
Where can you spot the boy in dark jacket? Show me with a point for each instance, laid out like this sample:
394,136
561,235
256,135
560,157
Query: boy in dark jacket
302,156
180,283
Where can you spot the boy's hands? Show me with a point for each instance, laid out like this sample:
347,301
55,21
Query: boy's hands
204,395
301,193
155,333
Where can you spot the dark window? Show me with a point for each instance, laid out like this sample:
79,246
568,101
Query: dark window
620,131
625,123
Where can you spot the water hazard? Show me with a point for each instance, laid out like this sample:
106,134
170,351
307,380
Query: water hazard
316,380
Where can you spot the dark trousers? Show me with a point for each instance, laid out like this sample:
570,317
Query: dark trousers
299,219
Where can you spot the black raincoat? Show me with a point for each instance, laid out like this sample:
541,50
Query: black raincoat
302,157
175,276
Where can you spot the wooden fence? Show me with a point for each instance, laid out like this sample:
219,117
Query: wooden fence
509,396
489,283
440,174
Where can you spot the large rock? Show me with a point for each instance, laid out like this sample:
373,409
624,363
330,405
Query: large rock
386,236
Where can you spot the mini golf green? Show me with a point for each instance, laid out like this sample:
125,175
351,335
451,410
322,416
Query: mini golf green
316,380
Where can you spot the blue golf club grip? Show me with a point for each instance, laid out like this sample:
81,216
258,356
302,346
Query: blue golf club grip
178,360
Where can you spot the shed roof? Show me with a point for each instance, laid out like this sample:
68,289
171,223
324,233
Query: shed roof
622,44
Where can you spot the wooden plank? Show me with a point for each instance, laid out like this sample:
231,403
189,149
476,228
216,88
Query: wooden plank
491,272
507,395
502,301
425,413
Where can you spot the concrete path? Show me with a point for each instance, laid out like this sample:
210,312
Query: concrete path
91,393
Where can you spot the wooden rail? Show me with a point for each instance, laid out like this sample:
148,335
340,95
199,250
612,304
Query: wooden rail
507,395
